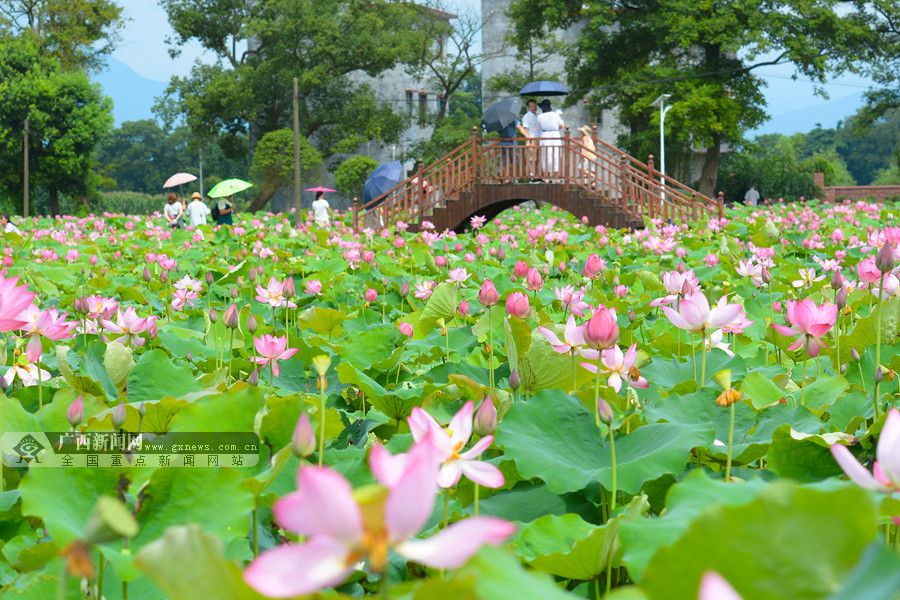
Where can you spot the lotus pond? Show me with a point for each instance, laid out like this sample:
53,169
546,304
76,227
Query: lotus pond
533,409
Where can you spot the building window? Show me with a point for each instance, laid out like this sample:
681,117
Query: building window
409,105
442,105
595,116
423,109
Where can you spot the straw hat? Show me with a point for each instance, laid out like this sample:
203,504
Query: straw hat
585,129
196,196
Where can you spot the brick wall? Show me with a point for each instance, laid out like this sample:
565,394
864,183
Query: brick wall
833,193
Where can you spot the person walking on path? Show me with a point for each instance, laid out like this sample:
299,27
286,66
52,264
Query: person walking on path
226,207
751,198
321,209
197,210
531,125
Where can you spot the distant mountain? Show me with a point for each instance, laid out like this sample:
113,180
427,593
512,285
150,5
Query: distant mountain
132,95
803,120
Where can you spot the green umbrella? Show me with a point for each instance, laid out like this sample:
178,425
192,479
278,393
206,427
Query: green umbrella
229,187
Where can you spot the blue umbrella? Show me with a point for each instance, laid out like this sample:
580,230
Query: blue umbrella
543,88
382,180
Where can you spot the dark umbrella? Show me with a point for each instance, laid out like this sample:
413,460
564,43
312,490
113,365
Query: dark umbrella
501,114
543,88
382,180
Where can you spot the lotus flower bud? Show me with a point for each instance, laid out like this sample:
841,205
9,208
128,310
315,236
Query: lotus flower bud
563,266
75,412
253,379
209,278
517,305
371,295
837,281
533,280
190,355
142,410
840,298
103,271
463,309
303,442
234,293
631,316
521,269
686,289
163,277
884,260
404,289
766,276
604,411
479,252
152,331
213,315
488,296
146,275
501,254
440,261
118,416
240,282
34,349
486,418
514,381
592,266
82,270
879,374
93,260
4,384
854,354
252,325
231,319
406,329
252,275
288,290
601,331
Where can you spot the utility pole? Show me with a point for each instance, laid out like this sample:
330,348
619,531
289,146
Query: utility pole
296,155
25,203
201,171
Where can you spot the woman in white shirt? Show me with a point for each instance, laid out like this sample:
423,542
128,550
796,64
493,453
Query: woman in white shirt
173,211
7,225
550,122
197,210
321,209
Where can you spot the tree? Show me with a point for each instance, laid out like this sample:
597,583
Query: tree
67,116
273,161
351,175
534,54
774,171
455,129
77,33
262,44
702,53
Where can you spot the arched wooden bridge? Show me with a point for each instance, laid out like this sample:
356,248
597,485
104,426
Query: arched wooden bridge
483,177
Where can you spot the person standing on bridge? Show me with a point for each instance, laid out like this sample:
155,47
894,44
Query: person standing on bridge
530,122
508,153
550,123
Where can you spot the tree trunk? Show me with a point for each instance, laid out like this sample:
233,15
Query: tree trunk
54,201
711,168
268,189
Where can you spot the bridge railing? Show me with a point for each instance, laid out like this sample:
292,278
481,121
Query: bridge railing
605,171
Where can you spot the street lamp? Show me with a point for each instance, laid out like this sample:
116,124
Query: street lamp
660,103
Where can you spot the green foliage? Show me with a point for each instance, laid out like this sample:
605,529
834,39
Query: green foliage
319,42
455,129
776,174
273,162
351,175
67,117
77,34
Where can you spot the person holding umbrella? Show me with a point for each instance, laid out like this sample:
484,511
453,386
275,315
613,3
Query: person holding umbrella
550,122
224,191
226,207
321,210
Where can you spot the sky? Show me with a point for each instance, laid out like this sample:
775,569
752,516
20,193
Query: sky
792,103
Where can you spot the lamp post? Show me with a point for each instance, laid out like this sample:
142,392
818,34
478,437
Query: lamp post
663,109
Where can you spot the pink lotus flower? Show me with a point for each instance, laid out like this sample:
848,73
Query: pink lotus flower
885,475
571,299
325,511
593,266
601,330
517,305
271,350
273,294
406,329
458,275
371,295
448,444
714,587
130,326
521,269
424,290
488,295
29,374
533,280
695,315
313,287
620,367
810,322
573,334
100,307
867,271
47,323
14,299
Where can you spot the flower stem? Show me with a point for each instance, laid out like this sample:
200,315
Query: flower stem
703,350
730,445
321,383
477,493
877,344
803,381
255,533
62,583
574,373
230,353
491,344
40,386
597,395
612,445
100,562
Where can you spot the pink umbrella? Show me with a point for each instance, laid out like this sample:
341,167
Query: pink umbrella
178,179
319,188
